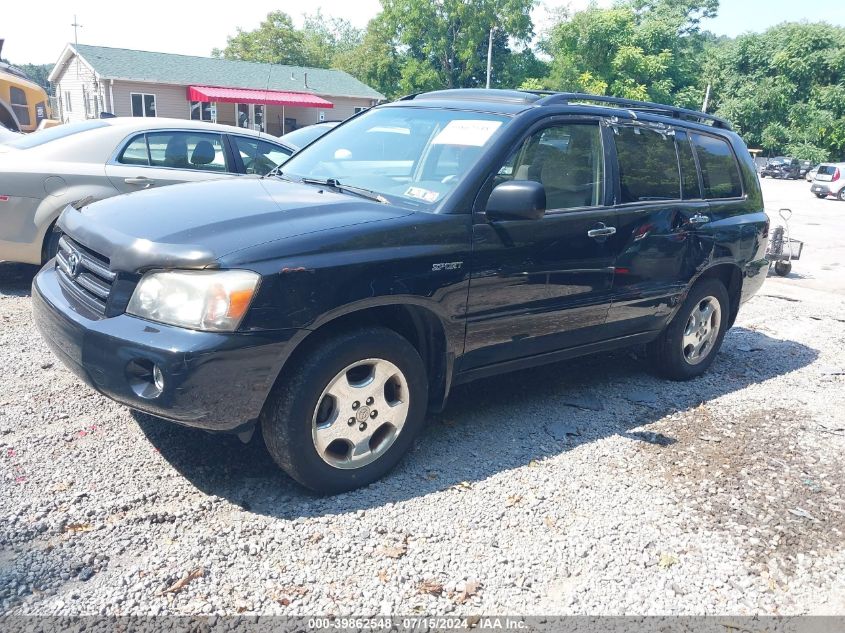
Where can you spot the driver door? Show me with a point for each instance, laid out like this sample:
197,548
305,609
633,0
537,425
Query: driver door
539,286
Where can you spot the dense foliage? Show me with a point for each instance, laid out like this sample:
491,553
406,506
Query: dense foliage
784,89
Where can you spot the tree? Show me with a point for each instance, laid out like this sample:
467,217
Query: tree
637,49
275,41
784,89
443,43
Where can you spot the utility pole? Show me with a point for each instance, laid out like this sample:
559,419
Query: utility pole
706,99
489,56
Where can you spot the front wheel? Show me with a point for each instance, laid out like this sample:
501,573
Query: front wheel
783,268
350,411
688,346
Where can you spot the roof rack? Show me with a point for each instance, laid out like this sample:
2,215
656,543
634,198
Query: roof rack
566,98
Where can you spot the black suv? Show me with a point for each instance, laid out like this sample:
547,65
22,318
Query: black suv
782,167
421,244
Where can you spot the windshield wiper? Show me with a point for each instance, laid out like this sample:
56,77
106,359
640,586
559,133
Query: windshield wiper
335,184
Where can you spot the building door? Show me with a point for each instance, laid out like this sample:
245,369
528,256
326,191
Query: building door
250,116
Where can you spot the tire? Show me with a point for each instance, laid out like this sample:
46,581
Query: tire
301,416
51,244
841,194
821,196
783,268
669,357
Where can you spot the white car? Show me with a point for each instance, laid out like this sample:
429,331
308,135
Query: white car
44,172
830,181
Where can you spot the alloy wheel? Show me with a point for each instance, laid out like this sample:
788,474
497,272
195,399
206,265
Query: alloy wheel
360,413
702,330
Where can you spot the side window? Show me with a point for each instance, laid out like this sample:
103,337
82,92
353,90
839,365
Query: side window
566,159
19,105
689,172
719,169
258,156
135,153
187,150
648,164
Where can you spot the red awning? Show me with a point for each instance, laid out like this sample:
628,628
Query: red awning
269,97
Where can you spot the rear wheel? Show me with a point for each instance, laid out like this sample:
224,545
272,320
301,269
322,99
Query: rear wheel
783,268
841,194
688,346
349,413
821,195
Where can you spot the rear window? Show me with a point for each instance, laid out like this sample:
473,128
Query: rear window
51,134
719,169
827,170
648,165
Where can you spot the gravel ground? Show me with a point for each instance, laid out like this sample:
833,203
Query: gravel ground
588,487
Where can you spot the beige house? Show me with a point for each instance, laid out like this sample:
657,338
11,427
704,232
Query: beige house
90,80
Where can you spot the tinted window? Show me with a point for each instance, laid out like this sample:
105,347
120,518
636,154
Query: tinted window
719,170
135,153
689,172
648,165
827,170
567,160
258,156
187,150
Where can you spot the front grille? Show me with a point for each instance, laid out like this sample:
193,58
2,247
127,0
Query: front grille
85,274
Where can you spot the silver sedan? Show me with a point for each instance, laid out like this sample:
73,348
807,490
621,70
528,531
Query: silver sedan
43,172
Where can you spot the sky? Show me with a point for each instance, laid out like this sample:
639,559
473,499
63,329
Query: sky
37,32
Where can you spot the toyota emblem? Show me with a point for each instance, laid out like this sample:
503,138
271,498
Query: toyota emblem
73,262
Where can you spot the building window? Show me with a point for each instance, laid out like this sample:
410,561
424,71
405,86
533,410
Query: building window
86,102
360,109
202,111
143,104
68,107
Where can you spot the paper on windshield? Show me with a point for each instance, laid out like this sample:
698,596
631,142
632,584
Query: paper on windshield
466,132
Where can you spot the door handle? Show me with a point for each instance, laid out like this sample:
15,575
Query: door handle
603,231
699,219
139,180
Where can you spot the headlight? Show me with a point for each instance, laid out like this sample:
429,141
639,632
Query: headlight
211,300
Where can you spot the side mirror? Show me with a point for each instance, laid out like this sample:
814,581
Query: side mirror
517,200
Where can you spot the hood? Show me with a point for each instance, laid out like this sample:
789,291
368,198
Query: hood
193,225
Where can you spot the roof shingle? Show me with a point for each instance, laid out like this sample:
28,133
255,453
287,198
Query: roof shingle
131,65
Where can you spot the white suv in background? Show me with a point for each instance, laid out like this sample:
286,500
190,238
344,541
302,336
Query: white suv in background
830,181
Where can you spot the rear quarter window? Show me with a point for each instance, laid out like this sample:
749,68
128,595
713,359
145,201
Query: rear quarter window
719,169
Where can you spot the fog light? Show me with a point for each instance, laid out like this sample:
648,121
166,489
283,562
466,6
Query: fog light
145,378
158,378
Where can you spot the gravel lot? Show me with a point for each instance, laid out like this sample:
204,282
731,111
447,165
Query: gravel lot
588,487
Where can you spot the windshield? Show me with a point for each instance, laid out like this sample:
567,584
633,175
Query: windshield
304,135
409,155
51,134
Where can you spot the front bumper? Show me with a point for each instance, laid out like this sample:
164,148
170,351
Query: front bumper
216,381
